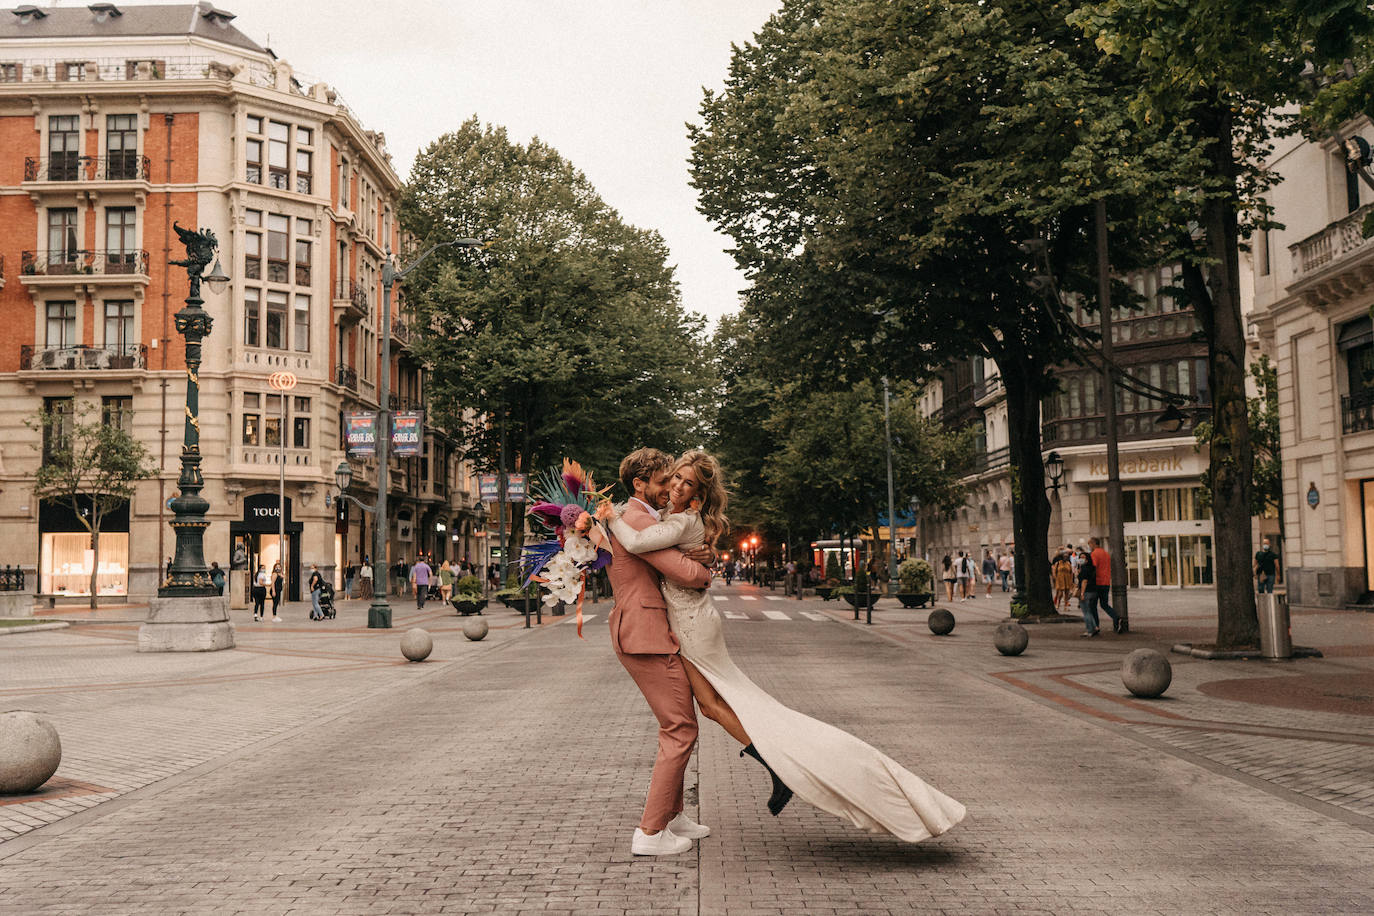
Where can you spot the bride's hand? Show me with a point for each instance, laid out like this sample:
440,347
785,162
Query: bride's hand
605,511
704,554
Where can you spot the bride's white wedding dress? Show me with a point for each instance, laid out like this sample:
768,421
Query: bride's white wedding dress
827,767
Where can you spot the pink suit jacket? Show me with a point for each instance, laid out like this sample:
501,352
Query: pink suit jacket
639,620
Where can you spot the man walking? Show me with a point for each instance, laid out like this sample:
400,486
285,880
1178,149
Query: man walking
646,646
1102,570
420,574
1266,568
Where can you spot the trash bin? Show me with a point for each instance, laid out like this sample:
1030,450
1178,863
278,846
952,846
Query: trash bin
1276,641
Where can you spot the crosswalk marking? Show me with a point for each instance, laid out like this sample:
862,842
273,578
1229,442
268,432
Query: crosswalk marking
775,597
747,598
736,615
587,617
776,615
814,616
718,597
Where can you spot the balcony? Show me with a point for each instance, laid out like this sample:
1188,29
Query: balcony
82,358
400,332
1357,412
351,300
991,461
66,167
986,389
346,377
83,268
1331,264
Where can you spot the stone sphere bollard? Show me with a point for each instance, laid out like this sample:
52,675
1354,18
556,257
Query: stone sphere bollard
29,751
941,622
1146,673
1010,638
475,628
416,645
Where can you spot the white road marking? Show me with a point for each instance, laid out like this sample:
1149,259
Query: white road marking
776,597
747,598
814,616
718,597
736,615
776,615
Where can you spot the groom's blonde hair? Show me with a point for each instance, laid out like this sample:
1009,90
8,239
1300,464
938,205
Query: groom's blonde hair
644,462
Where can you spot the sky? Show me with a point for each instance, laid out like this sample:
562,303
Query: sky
609,83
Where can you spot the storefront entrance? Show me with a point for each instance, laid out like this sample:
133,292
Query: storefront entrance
1168,534
255,541
65,557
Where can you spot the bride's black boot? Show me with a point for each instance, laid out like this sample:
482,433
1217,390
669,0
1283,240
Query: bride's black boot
781,794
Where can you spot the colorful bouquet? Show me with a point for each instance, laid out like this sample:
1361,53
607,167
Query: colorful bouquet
564,505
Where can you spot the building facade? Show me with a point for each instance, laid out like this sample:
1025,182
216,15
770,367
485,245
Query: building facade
115,124
1314,290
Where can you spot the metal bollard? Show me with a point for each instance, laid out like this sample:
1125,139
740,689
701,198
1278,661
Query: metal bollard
1276,637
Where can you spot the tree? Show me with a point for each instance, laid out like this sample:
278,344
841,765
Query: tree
1263,413
877,166
1225,98
89,464
565,336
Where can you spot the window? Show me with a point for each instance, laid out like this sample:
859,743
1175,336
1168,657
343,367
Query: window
343,271
343,183
57,428
303,246
276,320
72,70
61,325
119,327
271,422
62,247
9,72
304,136
252,172
278,135
120,240
252,255
64,147
300,424
118,412
1352,185
1262,252
252,318
121,147
252,428
300,333
304,158
254,124
278,250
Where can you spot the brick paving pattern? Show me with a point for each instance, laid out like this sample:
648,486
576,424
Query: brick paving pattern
312,771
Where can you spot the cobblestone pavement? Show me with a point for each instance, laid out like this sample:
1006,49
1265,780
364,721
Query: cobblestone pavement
313,771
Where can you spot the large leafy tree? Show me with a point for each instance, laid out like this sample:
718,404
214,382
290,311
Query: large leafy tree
565,336
90,465
877,166
1223,97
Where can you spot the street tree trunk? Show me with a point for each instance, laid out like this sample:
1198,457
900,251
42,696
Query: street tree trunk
95,562
1216,300
1030,508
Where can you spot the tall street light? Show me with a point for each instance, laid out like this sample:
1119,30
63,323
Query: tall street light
891,503
379,613
189,614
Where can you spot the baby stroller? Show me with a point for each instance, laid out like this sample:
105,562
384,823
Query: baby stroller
327,601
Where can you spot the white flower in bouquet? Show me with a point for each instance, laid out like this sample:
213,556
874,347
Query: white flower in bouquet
579,549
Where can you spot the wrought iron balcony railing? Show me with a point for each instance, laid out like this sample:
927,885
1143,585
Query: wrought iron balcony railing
400,330
347,377
68,263
1357,412
71,167
350,291
132,356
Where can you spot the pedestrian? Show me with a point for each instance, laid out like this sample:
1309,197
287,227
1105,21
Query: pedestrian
420,574
260,583
445,581
962,571
947,575
1061,576
989,570
278,590
1266,567
1076,561
366,578
1004,568
1087,594
217,577
350,573
1102,569
316,584
493,576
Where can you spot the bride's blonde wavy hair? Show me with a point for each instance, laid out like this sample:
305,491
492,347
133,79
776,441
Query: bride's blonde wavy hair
711,496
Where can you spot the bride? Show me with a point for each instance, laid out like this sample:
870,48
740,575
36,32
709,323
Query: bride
823,765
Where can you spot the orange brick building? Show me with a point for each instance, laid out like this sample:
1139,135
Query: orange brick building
115,123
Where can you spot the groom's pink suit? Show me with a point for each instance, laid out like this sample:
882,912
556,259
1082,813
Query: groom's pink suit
648,649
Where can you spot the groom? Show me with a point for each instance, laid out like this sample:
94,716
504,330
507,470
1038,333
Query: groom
648,649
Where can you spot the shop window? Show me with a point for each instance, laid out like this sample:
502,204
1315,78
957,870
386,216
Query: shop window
1128,513
252,429
1147,505
1097,510
1166,505
67,561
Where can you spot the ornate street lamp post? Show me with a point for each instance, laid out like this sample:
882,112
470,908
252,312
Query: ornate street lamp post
189,614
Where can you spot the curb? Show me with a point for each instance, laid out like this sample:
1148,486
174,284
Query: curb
1243,654
34,628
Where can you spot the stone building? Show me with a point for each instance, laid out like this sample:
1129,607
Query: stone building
1314,289
115,123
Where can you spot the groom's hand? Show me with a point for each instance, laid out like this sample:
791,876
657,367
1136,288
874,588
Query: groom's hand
705,555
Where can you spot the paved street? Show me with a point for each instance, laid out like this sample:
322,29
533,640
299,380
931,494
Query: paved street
312,770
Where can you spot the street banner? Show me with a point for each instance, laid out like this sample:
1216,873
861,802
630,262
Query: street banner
406,429
515,488
488,486
360,432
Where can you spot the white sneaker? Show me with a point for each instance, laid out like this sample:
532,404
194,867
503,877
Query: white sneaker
276,620
682,825
663,843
